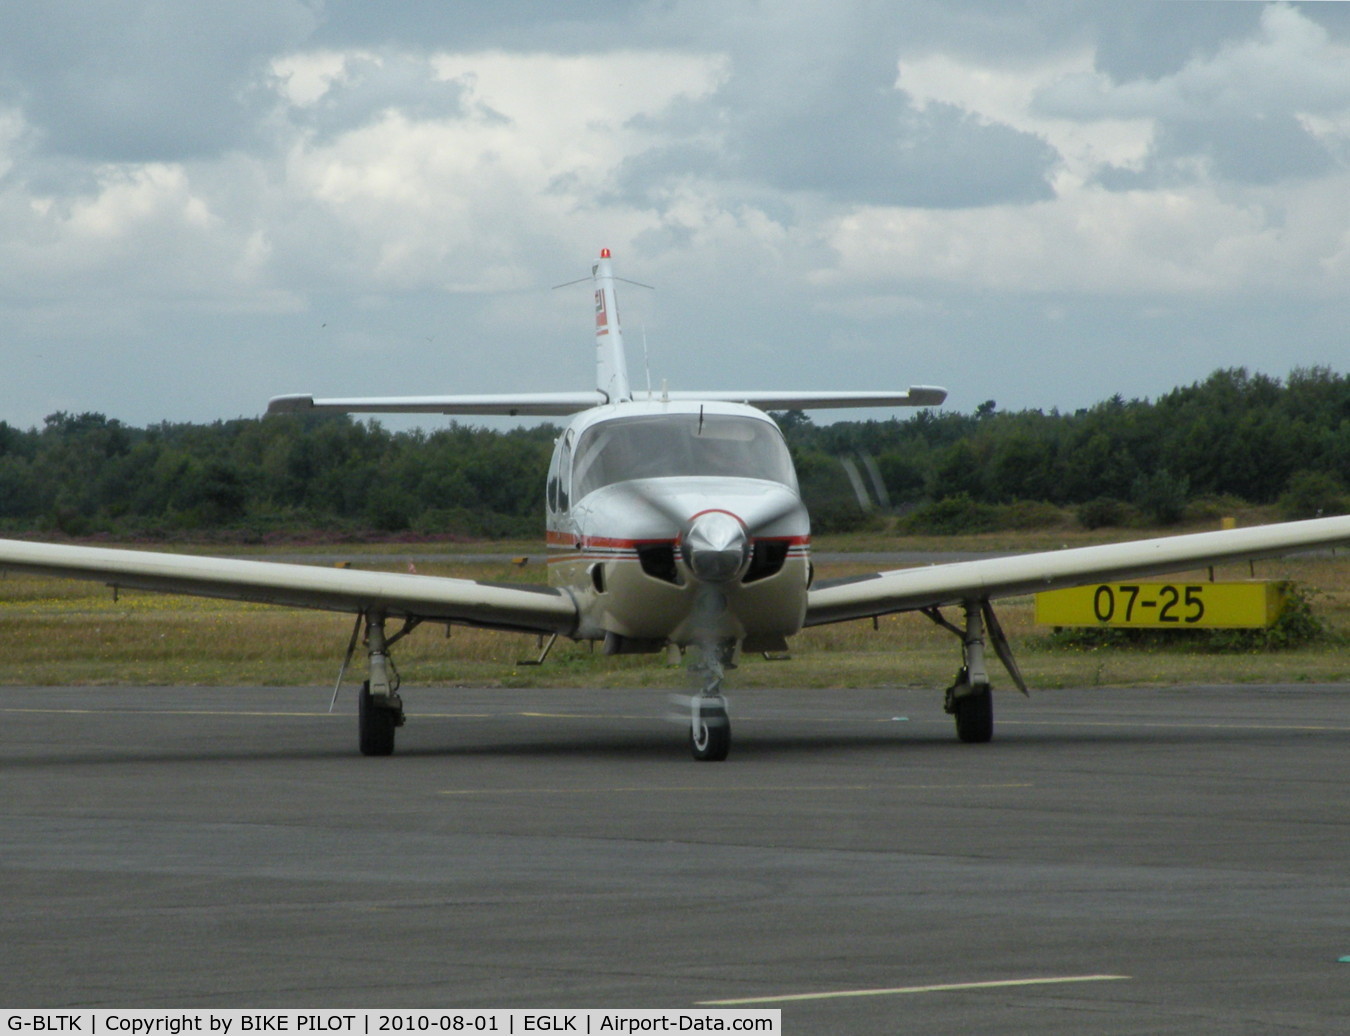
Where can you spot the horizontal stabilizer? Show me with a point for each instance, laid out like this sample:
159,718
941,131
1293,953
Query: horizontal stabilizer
916,395
557,404
540,404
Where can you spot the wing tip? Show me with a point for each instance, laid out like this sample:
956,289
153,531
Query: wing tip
927,395
294,404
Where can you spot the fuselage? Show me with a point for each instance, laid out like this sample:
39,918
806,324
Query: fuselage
678,522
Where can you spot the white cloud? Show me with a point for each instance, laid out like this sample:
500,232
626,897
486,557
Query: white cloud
1159,242
304,78
1185,234
465,201
142,233
1292,65
458,201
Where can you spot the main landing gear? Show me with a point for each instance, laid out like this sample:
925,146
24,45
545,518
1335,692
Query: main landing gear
969,699
377,719
379,708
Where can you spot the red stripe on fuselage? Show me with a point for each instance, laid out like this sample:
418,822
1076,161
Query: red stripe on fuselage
569,541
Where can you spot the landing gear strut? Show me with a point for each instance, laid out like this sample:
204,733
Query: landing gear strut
969,699
709,724
380,709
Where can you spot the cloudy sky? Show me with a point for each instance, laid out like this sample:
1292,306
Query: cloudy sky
1041,203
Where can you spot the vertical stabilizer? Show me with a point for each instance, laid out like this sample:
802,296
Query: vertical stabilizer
611,366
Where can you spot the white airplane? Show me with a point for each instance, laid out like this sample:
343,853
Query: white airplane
673,520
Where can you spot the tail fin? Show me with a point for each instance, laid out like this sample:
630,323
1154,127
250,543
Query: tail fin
611,365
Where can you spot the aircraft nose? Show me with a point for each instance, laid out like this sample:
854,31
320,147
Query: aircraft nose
716,547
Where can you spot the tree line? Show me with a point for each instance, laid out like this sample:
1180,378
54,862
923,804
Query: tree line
1235,436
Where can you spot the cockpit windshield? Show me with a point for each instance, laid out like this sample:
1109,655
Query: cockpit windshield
670,445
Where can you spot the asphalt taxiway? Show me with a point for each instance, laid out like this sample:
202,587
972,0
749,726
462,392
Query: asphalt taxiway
1116,861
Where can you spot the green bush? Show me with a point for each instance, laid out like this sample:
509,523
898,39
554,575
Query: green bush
1312,494
953,515
840,515
1031,514
1106,512
960,514
1161,496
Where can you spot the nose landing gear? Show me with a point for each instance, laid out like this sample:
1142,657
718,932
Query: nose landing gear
709,724
710,729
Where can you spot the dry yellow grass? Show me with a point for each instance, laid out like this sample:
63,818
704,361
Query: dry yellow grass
55,631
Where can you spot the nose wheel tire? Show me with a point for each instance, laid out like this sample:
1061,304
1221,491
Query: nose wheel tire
710,734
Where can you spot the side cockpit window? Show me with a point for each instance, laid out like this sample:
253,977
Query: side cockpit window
560,489
560,474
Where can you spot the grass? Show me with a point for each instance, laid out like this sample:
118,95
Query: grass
55,631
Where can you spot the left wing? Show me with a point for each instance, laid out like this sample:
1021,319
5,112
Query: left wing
526,609
909,589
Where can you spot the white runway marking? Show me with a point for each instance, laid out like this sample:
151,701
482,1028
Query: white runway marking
722,789
906,990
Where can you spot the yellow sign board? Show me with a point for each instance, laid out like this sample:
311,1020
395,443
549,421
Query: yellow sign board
1253,604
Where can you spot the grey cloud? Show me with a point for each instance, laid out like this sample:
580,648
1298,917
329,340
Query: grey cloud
158,80
1335,18
1280,64
893,154
1233,101
810,104
645,178
1154,39
370,86
1257,151
517,24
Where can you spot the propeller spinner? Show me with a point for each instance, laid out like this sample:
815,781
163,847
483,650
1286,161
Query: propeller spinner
716,547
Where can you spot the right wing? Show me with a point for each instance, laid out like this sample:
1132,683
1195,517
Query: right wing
909,589
502,606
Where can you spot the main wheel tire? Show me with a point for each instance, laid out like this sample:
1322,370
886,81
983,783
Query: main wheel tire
711,740
974,714
376,725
